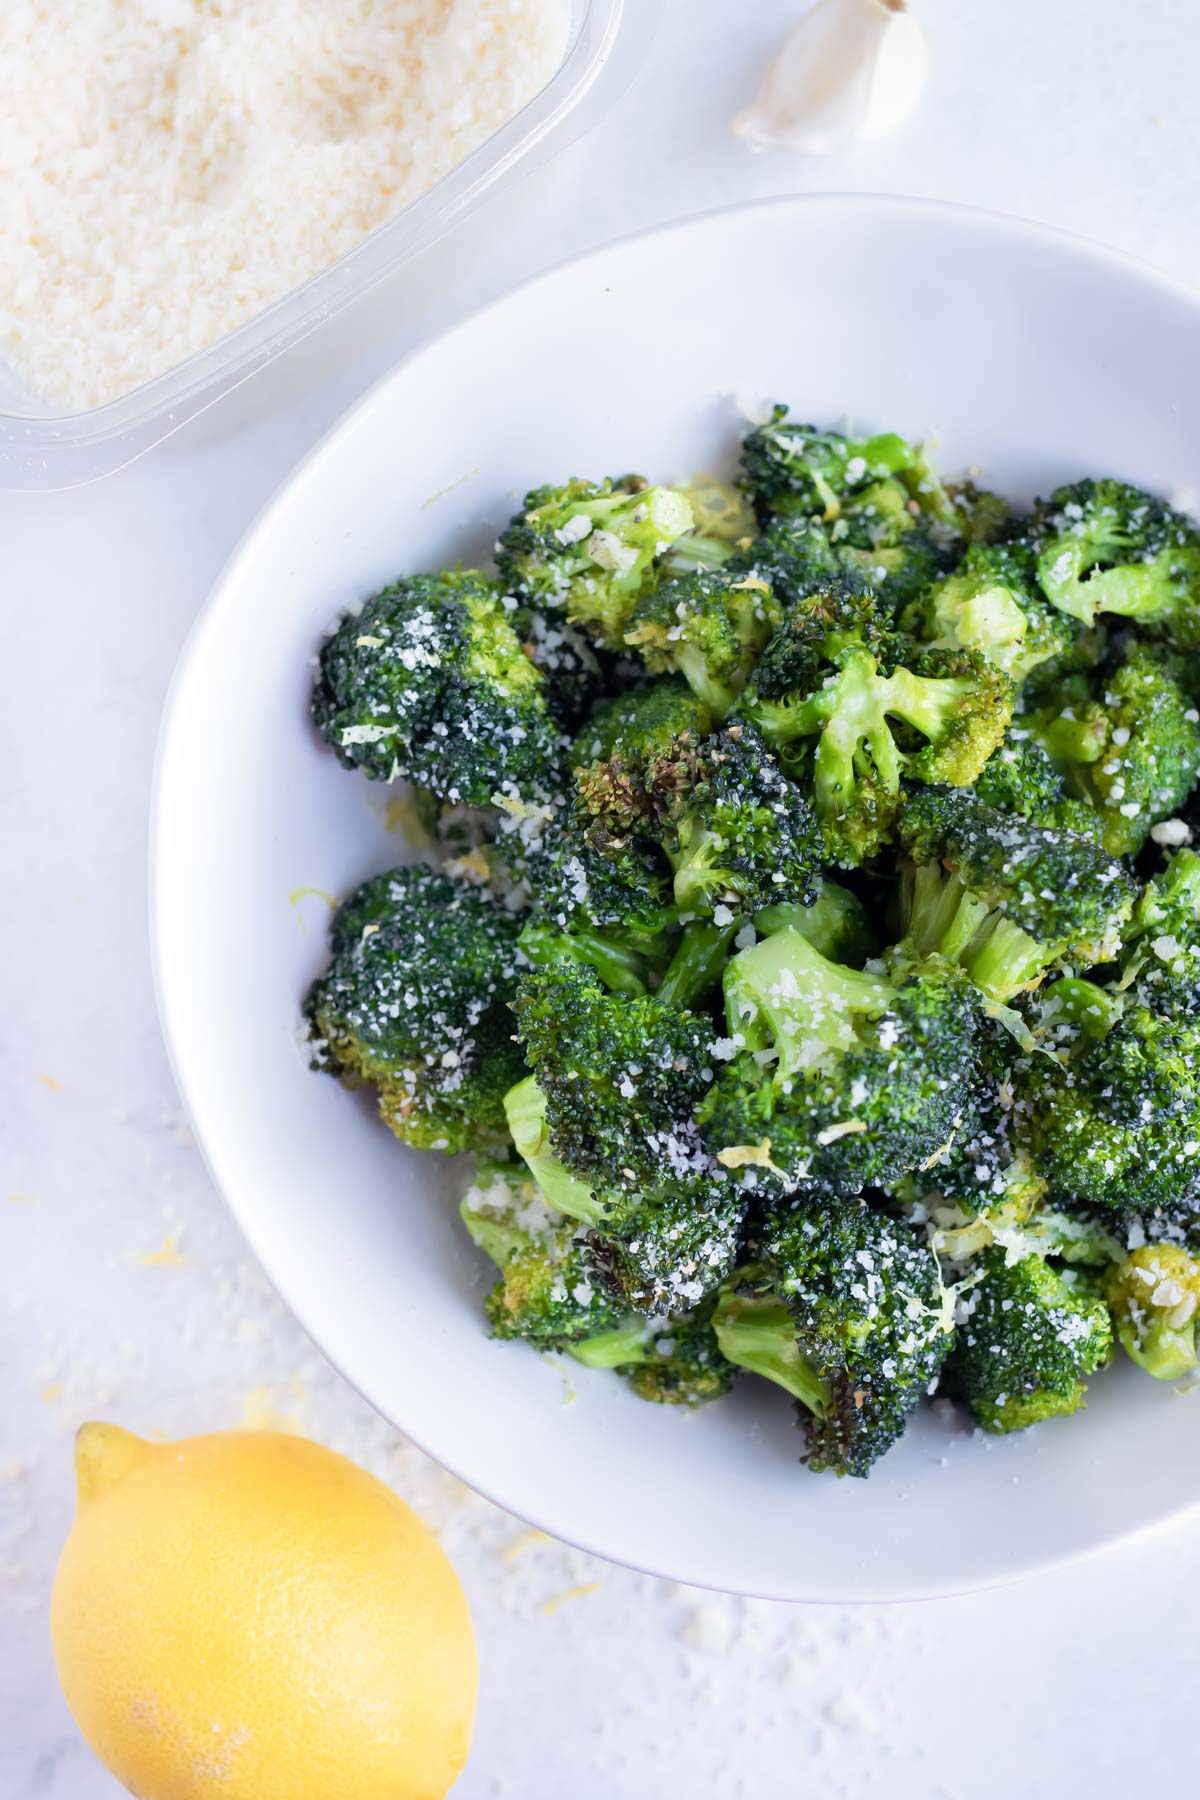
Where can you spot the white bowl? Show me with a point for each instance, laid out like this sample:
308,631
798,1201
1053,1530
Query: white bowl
1034,355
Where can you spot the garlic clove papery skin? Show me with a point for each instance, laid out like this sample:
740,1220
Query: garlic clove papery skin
851,70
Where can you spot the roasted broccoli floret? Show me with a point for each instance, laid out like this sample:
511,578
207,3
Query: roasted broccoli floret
737,832
870,707
545,1293
416,1004
1028,1338
846,1310
833,1078
599,897
622,1078
1119,1126
675,1361
798,471
710,627
641,723
1002,897
653,1247
665,1248
429,681
1153,1296
590,550
1129,742
1020,777
991,603
1106,547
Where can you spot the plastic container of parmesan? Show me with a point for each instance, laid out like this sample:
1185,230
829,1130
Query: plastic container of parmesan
42,447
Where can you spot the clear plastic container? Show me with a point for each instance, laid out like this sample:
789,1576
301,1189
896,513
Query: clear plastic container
42,448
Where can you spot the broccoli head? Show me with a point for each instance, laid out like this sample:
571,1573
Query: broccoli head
801,472
573,672
676,1361
1106,547
737,832
665,1249
1129,742
1028,1338
869,1319
622,1077
545,1293
641,723
590,550
1004,898
861,707
416,1003
832,1078
1118,1127
429,681
1020,777
710,627
600,897
991,603
1153,1296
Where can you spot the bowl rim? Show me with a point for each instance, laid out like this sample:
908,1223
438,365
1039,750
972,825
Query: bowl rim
213,609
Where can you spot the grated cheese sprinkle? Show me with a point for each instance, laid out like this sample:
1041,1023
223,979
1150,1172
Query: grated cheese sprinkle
168,168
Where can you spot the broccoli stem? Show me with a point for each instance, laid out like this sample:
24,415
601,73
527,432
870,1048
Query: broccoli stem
756,1332
692,665
1004,959
619,968
696,965
616,1349
525,1111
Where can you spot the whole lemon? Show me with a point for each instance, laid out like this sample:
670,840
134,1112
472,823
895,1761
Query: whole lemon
251,1617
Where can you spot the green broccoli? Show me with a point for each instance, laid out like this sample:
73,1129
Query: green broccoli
835,1079
676,1361
863,1331
1129,742
1162,943
801,472
416,1003
710,627
1153,1297
1002,897
429,681
991,603
1106,547
1118,1127
737,833
600,898
876,708
834,922
545,1293
643,722
590,550
655,1247
622,1078
1028,1337
1019,777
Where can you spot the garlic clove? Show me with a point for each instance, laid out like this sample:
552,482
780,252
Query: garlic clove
852,69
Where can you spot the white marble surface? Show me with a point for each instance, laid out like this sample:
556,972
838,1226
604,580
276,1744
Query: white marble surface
126,1290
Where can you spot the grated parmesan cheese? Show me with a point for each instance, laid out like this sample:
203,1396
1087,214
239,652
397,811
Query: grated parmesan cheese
168,168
